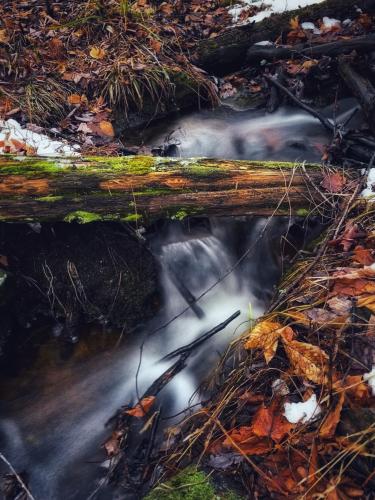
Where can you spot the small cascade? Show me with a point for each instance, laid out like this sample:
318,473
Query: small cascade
55,432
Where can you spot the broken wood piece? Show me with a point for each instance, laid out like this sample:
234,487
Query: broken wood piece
187,349
362,89
360,44
143,189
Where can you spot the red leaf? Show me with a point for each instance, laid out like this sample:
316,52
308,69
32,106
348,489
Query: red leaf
333,183
142,407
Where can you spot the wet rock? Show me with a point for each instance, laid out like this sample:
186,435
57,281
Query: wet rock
74,274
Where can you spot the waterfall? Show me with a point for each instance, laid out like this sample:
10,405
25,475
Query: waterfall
55,432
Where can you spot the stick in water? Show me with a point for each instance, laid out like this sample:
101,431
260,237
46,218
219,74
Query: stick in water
189,347
18,477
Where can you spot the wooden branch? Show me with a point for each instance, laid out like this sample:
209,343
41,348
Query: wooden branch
362,89
360,44
146,188
226,53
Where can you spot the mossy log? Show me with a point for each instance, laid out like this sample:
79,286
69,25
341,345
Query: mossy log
147,188
227,52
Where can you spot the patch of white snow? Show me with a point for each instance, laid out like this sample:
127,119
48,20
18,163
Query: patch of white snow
40,143
271,7
302,412
370,379
368,192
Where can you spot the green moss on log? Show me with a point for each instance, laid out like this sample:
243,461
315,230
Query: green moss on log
82,217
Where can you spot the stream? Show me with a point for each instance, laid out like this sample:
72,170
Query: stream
53,414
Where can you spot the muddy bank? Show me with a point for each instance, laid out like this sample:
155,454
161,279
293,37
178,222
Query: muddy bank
71,274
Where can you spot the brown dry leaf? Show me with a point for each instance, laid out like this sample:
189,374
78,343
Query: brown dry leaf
307,360
351,233
265,335
364,256
269,423
142,407
328,428
356,388
112,446
74,99
353,287
340,305
107,128
294,23
4,38
333,183
97,53
367,301
249,444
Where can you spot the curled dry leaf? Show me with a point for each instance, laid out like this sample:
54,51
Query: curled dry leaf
268,422
353,287
265,336
307,360
328,427
107,128
367,301
340,305
351,234
333,183
142,407
363,256
97,53
112,446
248,443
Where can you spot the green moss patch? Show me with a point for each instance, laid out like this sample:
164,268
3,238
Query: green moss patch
82,217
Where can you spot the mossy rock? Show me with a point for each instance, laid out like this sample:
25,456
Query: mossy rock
189,484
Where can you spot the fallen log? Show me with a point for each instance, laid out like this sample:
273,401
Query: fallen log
361,44
362,89
142,189
226,53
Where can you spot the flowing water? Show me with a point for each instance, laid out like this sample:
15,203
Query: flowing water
53,419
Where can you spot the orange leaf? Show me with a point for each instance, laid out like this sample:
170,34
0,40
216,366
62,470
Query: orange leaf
142,407
268,423
249,444
307,360
328,428
294,23
334,182
107,128
74,99
363,256
265,335
97,53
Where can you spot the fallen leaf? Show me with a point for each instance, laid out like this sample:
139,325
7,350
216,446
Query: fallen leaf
265,335
333,183
74,99
97,53
328,427
294,23
268,422
367,301
353,287
340,305
249,444
307,360
142,407
112,446
363,256
107,128
351,233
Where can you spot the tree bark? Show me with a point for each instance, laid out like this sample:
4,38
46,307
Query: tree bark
361,44
227,52
362,89
144,189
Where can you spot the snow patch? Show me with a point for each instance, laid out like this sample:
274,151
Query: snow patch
270,7
368,191
370,379
41,144
302,412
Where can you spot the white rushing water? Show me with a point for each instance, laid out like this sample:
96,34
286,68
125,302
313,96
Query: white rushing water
55,433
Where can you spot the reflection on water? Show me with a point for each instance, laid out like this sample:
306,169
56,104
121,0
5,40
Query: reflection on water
54,428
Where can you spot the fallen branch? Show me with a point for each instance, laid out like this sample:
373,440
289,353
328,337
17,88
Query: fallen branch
187,349
360,44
